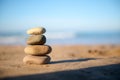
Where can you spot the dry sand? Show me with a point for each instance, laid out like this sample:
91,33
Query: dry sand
69,62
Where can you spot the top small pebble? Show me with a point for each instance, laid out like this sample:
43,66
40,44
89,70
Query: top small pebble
36,31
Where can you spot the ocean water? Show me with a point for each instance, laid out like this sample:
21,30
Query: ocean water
59,37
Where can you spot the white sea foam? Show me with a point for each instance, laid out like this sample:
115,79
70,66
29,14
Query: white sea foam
60,35
12,40
21,39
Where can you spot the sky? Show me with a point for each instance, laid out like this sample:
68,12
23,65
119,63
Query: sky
60,15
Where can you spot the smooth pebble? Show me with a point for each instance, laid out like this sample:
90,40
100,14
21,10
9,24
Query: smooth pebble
36,40
29,59
36,31
38,50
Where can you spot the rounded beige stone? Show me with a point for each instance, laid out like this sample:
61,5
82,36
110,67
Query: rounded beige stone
36,40
38,50
36,31
29,59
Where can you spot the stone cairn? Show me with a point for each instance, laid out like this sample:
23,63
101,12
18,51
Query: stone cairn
36,50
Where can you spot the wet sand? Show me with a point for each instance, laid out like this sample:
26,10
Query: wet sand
69,62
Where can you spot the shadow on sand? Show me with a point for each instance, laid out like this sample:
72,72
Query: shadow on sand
73,60
109,72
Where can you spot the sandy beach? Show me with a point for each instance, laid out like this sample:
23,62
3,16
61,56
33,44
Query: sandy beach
68,62
59,39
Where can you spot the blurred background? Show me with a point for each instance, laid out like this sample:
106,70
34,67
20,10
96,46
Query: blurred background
66,21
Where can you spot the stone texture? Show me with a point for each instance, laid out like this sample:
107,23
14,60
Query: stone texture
36,31
36,40
29,59
38,50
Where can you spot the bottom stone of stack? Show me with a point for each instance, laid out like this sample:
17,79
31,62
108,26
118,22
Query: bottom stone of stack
29,59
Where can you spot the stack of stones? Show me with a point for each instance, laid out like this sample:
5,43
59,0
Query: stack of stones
36,50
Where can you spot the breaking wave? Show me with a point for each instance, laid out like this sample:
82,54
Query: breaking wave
8,38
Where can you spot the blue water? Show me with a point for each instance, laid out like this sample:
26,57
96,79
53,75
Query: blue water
89,38
59,37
